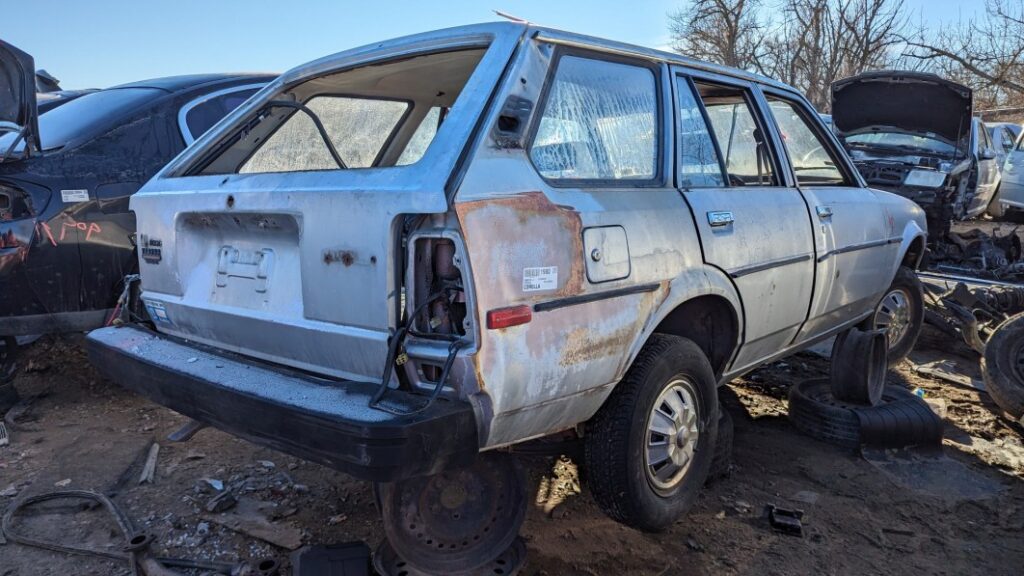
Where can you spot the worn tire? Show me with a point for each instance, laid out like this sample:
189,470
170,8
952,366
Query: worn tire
907,280
901,419
721,462
1002,366
616,437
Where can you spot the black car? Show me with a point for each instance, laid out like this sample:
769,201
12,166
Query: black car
66,234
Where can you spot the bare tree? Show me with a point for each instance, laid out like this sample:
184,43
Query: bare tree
984,53
809,45
725,31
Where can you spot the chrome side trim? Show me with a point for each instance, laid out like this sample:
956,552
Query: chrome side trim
740,272
586,298
861,246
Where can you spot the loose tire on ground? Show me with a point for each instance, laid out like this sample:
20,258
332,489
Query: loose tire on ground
619,436
901,419
909,286
1002,366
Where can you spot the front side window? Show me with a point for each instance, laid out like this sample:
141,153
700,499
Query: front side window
741,142
1007,140
358,128
809,154
599,122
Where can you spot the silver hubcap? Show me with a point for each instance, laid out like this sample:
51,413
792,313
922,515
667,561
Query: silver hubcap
672,433
893,314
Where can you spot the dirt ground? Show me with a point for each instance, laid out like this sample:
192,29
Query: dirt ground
961,512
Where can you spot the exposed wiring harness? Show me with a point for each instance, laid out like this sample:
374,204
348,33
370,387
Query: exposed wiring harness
456,344
136,543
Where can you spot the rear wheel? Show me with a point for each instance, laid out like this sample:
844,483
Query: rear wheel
649,449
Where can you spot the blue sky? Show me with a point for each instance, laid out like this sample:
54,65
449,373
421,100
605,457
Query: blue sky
99,43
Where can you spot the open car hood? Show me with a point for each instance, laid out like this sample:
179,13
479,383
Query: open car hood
911,102
18,95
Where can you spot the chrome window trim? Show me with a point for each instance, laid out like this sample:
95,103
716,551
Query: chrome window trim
183,112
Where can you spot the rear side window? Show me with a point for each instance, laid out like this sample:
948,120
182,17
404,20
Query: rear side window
201,116
741,142
698,160
421,138
813,164
599,122
358,128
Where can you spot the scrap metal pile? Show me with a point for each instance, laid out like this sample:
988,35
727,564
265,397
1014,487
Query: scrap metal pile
974,290
975,253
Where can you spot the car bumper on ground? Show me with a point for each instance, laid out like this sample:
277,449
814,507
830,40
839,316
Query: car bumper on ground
324,421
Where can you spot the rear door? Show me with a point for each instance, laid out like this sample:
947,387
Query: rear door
855,244
752,226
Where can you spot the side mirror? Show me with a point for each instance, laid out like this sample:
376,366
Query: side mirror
988,154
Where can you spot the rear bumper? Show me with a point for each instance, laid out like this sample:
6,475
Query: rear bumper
324,421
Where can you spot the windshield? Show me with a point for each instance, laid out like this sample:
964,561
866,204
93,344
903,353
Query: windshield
902,140
62,124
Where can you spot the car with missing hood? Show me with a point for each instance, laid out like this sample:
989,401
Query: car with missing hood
66,233
400,256
914,134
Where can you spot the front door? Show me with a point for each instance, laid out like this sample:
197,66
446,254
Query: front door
855,243
752,227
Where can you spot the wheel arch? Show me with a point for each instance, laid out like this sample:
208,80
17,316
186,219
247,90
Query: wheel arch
704,307
913,253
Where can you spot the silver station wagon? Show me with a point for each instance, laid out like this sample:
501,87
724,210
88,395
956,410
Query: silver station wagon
400,256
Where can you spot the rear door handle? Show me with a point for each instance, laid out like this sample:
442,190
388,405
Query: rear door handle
824,212
716,219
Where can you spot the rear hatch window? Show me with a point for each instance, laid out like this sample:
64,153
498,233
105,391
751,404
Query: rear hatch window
370,117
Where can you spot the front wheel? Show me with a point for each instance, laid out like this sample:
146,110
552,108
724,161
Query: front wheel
649,449
900,313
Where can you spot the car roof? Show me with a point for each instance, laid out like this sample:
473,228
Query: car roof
189,81
395,46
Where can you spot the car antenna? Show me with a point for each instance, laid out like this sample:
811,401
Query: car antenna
508,16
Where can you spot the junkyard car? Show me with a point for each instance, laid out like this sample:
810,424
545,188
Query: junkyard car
396,257
913,133
66,234
1011,186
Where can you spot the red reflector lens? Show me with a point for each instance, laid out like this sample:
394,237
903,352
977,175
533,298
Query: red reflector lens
512,316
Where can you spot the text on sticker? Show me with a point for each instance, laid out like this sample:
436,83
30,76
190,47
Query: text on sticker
540,278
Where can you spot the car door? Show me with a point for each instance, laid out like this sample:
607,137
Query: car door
988,170
855,244
751,225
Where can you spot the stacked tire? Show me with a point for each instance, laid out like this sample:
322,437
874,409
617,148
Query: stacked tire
854,406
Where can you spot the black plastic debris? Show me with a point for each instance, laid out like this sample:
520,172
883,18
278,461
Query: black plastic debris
784,520
347,559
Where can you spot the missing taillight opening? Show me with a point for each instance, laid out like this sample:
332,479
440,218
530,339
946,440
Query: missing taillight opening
439,280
